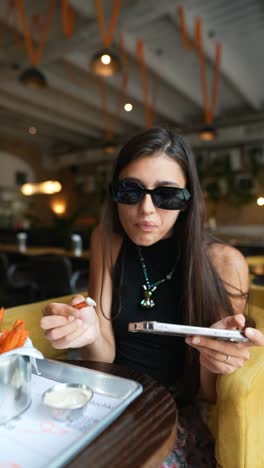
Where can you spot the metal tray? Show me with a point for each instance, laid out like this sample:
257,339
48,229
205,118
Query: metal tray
106,388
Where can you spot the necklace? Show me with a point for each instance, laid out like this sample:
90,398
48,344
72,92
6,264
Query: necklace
148,287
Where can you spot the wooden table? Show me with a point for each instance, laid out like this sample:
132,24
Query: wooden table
142,436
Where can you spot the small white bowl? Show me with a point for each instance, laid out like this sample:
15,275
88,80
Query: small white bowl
67,401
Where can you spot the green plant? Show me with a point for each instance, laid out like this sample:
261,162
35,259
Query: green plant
220,182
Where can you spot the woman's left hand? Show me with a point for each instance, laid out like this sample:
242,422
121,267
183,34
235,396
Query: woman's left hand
224,357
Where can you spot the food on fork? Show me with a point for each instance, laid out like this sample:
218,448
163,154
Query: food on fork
88,301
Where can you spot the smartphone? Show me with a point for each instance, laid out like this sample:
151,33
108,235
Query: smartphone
186,330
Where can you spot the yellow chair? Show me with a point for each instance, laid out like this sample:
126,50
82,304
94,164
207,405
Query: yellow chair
255,260
257,296
237,420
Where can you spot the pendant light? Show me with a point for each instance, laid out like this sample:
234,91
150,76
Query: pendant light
110,147
105,63
208,133
33,78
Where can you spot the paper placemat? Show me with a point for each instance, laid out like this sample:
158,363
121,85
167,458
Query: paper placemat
35,439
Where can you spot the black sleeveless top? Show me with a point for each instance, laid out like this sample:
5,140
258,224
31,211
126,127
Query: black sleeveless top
160,356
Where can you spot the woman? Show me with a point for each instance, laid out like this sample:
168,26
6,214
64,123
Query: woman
151,260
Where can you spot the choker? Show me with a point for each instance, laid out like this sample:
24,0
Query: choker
148,287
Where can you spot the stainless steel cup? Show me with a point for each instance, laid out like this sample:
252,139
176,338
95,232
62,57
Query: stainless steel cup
15,386
66,407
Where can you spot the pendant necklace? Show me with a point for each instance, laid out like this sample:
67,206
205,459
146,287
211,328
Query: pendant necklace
148,287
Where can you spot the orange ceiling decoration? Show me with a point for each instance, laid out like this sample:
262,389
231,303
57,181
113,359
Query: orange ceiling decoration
68,18
196,44
34,54
149,108
107,35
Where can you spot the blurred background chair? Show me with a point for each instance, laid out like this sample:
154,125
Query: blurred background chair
54,276
17,285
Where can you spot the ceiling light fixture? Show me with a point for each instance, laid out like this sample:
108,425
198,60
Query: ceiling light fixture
260,201
48,187
33,78
128,107
207,133
105,63
110,147
32,130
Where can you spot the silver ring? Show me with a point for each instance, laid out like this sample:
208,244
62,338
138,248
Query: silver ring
227,358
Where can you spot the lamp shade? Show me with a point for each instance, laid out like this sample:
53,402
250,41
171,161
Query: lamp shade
207,133
105,63
33,77
110,147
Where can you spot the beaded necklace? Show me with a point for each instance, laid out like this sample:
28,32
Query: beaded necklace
148,287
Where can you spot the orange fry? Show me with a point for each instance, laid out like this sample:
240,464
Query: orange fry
2,313
24,335
14,338
11,341
3,336
18,322
19,325
18,333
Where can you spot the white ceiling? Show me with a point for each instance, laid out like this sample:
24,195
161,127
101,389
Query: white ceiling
68,113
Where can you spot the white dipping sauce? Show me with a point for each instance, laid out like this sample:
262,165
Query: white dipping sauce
69,398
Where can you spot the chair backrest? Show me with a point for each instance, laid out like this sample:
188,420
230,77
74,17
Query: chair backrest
257,296
52,275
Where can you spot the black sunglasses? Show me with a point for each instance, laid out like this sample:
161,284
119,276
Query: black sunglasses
167,198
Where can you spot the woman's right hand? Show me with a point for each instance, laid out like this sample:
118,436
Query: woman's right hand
67,327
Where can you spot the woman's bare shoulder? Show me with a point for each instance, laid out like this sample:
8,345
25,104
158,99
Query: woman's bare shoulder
224,253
